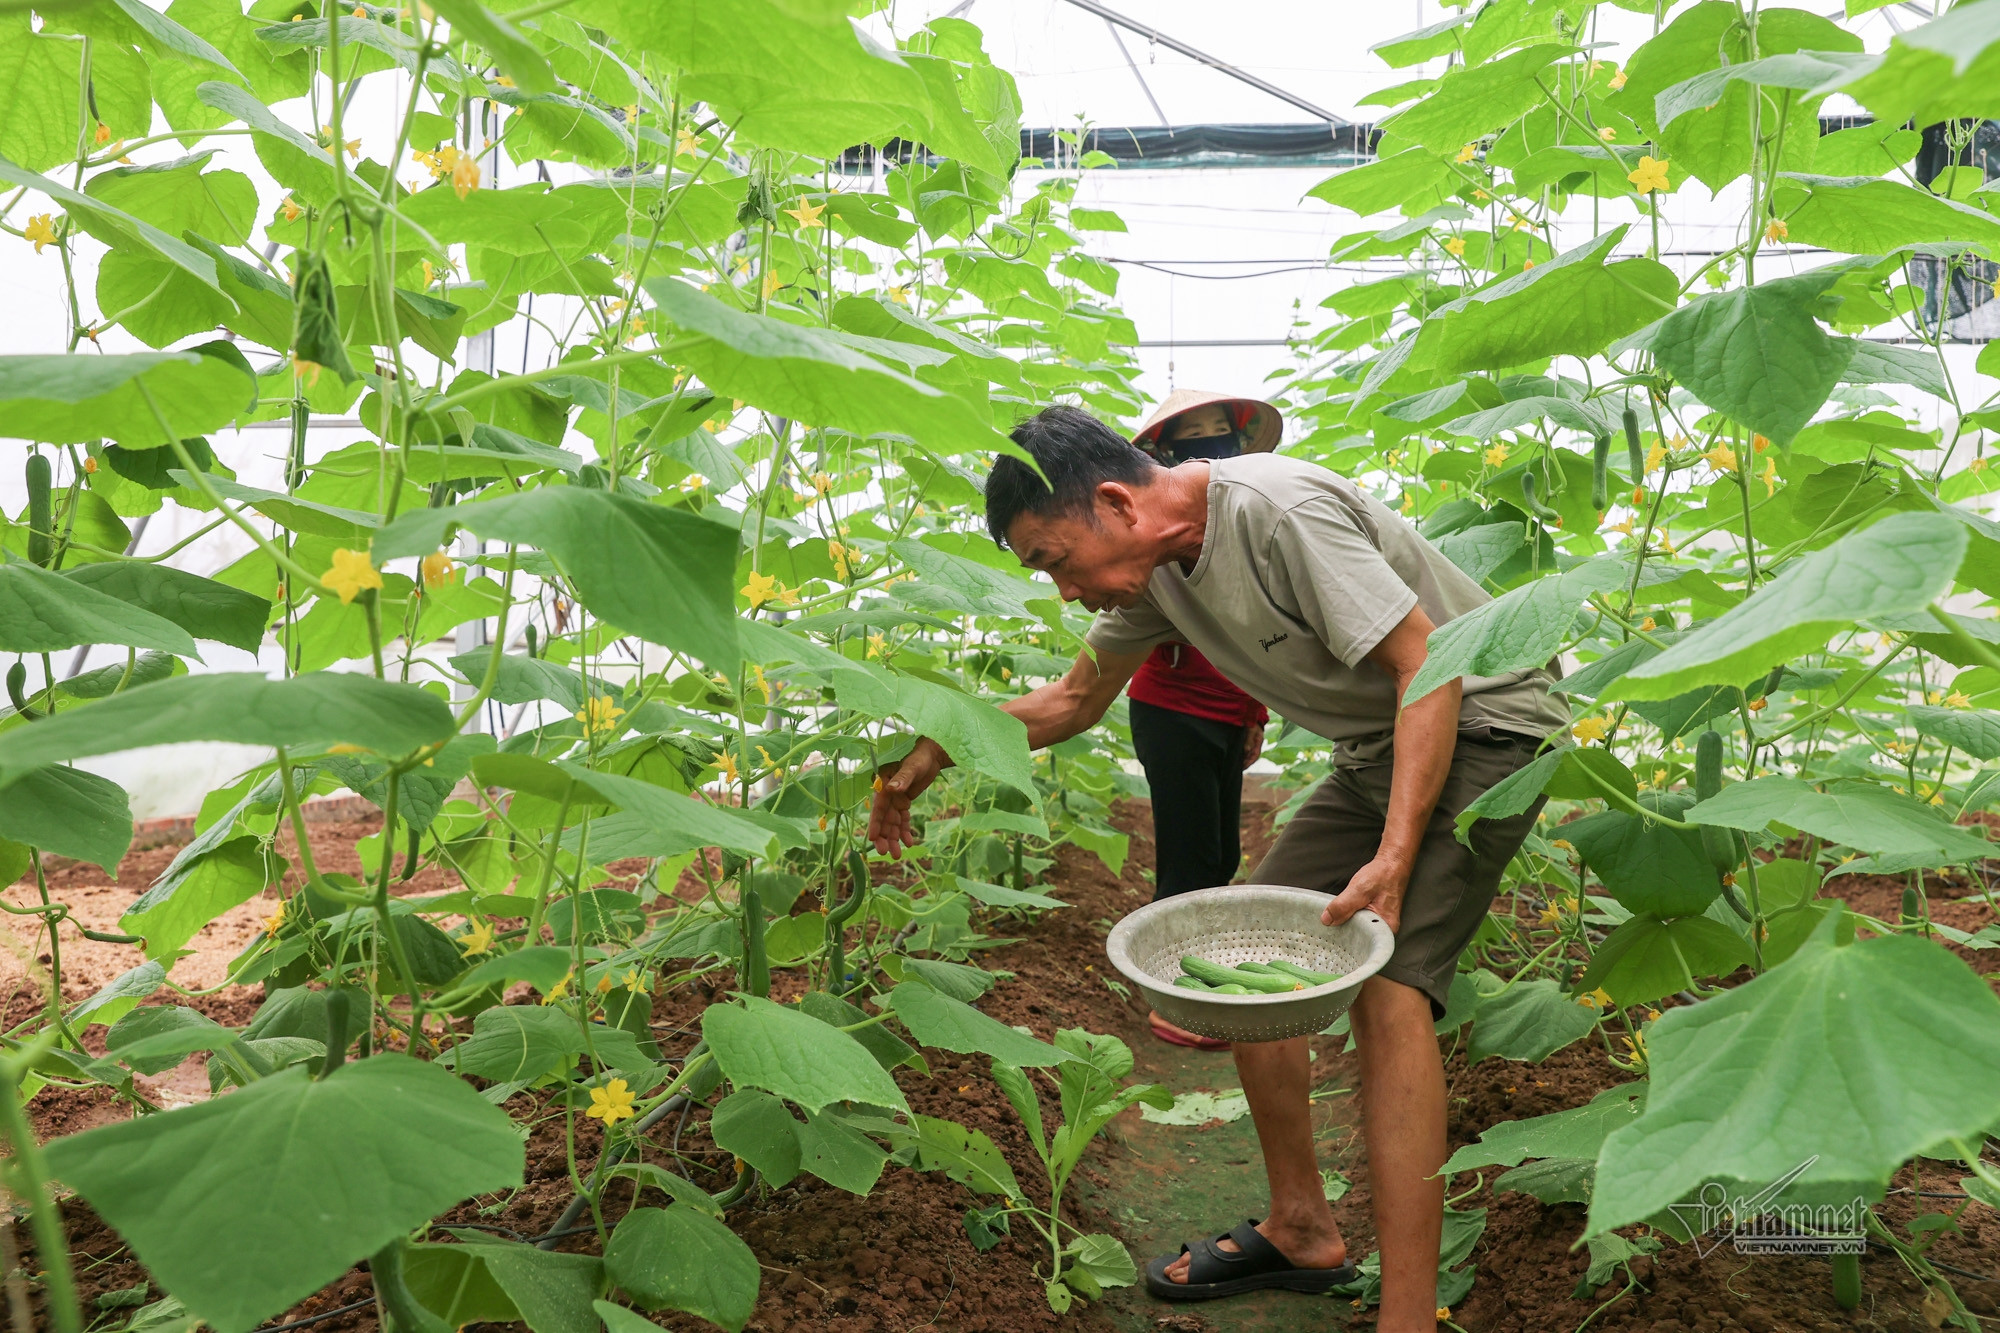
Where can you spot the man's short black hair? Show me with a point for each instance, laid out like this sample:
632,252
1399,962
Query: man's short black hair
1077,452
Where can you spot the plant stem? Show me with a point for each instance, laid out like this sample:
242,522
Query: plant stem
31,1176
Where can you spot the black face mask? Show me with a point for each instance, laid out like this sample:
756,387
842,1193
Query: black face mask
1227,445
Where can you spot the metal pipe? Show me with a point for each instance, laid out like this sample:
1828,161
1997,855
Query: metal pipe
1133,65
1194,53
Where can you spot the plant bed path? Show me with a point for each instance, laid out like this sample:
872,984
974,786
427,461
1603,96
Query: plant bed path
899,1259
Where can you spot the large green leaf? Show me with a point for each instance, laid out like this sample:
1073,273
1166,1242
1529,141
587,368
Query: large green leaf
1847,1060
485,1281
294,160
82,397
305,1176
116,227
775,1047
974,733
661,573
857,684
1862,815
1756,353
134,23
936,1019
792,76
1797,70
1578,1132
195,891
840,1154
1949,67
179,196
812,377
1471,102
755,1126
963,1154
1528,411
41,612
1523,628
1576,304
1511,795
71,813
1530,1021
38,94
1897,566
519,1042
1973,730
952,583
521,680
319,709
679,1259
1385,183
664,823
1646,959
509,47
204,608
1865,216
1648,866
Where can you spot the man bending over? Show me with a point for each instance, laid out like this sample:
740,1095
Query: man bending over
1317,600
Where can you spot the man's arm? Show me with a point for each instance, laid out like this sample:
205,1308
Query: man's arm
1053,712
1426,735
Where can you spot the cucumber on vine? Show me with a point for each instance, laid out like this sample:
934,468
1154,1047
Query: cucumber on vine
41,511
17,691
1600,473
1635,453
1531,497
1720,845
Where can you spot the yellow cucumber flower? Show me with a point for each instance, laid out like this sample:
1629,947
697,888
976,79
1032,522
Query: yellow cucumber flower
1650,175
436,567
611,1103
351,572
1591,729
600,715
477,940
760,589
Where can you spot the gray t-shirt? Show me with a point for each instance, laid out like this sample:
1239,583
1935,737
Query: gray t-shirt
1301,575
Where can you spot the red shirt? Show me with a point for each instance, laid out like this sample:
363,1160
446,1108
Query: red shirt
1178,677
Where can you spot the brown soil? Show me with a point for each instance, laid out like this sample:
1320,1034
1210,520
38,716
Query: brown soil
899,1259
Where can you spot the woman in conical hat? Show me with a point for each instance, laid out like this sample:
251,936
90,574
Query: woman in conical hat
1193,730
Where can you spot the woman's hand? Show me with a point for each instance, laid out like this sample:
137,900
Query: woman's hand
1253,743
896,786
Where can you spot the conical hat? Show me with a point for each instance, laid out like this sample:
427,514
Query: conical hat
1262,424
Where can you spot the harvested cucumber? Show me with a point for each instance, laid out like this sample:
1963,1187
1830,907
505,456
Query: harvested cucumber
1305,974
1215,974
1277,976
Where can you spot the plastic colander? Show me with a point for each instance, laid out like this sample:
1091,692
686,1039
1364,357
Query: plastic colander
1239,923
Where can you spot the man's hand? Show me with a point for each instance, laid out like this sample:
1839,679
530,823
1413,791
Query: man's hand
1378,886
1253,743
896,786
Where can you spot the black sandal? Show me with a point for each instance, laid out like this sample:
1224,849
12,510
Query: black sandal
1256,1264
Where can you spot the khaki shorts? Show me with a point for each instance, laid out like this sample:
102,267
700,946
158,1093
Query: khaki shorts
1339,827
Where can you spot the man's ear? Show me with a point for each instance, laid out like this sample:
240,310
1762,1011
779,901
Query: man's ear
1119,501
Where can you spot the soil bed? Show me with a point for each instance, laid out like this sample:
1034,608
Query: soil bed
900,1259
